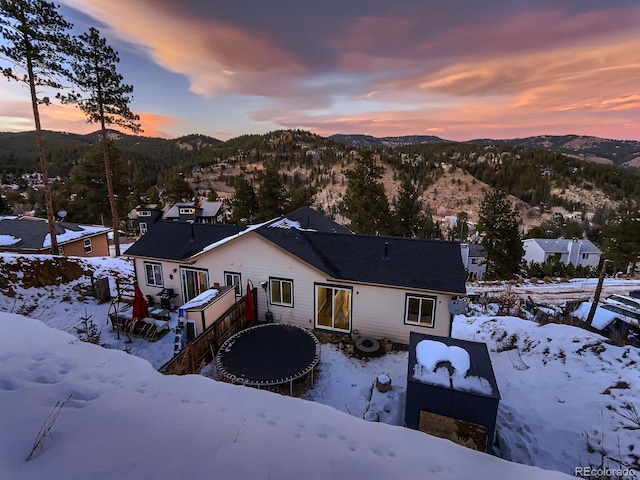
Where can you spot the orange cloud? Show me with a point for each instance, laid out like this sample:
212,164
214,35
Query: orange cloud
216,57
155,125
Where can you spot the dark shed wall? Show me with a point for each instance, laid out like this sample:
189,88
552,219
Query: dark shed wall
466,406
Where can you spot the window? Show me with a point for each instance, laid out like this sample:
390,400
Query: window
281,291
187,211
232,278
154,274
585,256
88,248
474,261
144,213
143,228
420,310
333,308
194,282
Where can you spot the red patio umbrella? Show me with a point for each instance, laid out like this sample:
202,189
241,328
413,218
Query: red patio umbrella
140,305
249,313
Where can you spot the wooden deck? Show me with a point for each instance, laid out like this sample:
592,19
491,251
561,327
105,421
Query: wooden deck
148,328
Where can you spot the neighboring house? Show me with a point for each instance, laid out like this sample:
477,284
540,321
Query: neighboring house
31,235
144,217
579,252
313,272
474,259
205,212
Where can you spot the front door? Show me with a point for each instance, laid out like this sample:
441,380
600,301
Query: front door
333,308
194,282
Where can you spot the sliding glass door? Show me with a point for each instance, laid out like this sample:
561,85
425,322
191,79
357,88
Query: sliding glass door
333,308
194,282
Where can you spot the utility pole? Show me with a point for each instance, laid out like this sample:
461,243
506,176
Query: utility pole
596,295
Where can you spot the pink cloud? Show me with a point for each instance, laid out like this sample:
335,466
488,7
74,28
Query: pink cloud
217,57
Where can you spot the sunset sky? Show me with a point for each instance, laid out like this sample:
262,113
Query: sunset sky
457,69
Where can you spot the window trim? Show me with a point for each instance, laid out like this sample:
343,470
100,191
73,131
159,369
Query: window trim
146,274
143,228
434,301
239,286
144,213
315,302
88,246
281,280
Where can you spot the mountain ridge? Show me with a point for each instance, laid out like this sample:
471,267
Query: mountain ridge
584,147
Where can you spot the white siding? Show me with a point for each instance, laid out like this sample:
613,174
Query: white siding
533,252
377,311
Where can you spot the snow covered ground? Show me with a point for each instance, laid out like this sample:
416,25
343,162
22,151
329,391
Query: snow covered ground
568,400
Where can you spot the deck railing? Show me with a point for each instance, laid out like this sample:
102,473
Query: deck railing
202,350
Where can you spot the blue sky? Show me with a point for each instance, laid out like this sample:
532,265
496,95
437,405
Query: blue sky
456,69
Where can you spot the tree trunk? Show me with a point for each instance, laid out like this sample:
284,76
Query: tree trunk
596,295
43,160
112,198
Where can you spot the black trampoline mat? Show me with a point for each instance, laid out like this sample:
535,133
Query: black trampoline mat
269,353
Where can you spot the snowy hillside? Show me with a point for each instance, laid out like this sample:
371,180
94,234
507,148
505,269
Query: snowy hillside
569,398
125,420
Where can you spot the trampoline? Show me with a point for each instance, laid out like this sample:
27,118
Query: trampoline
269,355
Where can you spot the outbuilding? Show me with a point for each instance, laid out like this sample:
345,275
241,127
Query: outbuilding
451,390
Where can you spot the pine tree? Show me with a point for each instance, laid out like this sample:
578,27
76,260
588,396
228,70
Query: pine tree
35,41
365,202
460,231
622,237
498,226
244,203
88,185
177,189
106,100
407,215
273,198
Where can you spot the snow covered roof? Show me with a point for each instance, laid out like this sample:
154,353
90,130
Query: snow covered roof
204,298
33,234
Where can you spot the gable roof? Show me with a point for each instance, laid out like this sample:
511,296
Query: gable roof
404,262
475,250
561,245
178,241
33,234
322,243
205,209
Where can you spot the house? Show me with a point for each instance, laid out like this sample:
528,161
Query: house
451,390
31,235
313,272
205,212
578,252
143,217
474,259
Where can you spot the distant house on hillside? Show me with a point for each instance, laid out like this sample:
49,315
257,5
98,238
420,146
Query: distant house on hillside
143,217
578,252
206,212
312,272
31,235
474,259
